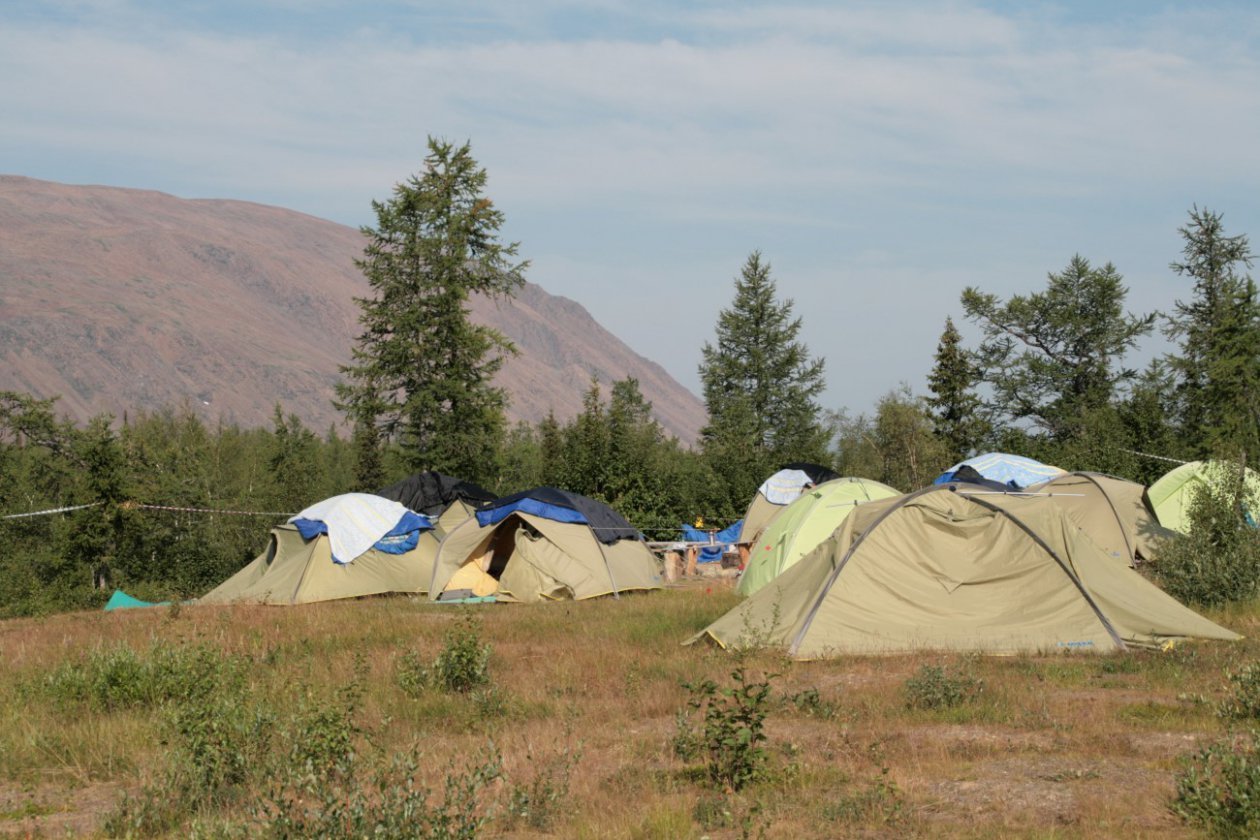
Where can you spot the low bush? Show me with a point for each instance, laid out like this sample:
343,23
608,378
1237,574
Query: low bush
1243,699
464,662
1218,789
119,677
733,728
1219,560
935,687
539,801
391,801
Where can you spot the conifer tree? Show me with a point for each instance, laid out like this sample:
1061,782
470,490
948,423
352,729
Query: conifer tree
586,447
955,406
421,370
551,446
1054,357
369,468
294,467
760,386
1218,368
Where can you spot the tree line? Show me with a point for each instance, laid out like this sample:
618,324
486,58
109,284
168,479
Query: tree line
1047,379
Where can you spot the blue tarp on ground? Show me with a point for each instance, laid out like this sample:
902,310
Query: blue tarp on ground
723,541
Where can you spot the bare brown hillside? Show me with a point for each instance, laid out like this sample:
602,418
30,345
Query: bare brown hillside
118,300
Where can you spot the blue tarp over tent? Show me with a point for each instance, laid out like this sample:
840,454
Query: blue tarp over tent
561,506
723,540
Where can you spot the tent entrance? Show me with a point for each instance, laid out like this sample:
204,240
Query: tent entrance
481,573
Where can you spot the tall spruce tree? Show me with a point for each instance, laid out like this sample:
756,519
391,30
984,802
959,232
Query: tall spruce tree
1054,357
421,370
1218,367
955,405
760,386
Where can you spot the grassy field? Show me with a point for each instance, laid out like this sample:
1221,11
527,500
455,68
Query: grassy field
247,721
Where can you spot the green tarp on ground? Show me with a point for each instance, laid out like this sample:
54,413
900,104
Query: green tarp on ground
943,570
122,601
803,524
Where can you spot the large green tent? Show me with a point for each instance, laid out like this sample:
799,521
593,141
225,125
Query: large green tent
803,524
946,570
1172,494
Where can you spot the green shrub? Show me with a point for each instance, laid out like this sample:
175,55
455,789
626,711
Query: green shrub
936,687
411,674
323,735
1218,789
120,678
733,729
464,662
218,747
810,703
393,801
1219,560
538,802
1243,701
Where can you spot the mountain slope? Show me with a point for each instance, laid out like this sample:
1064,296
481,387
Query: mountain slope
119,299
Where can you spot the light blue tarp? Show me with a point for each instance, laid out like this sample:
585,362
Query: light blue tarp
1015,471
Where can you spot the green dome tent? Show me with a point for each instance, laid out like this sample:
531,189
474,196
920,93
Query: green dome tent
1172,494
942,569
776,493
803,524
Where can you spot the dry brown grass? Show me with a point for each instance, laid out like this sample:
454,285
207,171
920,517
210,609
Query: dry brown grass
1060,746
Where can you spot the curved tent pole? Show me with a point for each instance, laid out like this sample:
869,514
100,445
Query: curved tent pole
1124,532
1076,581
607,566
831,579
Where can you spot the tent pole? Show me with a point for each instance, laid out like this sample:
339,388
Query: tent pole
607,565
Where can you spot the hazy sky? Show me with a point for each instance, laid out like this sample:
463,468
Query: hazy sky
881,156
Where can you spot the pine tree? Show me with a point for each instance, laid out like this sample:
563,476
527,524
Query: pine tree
421,369
586,447
369,469
955,405
760,386
1054,357
294,467
1218,368
551,446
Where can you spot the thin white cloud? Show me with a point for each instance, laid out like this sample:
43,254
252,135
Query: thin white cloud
804,129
